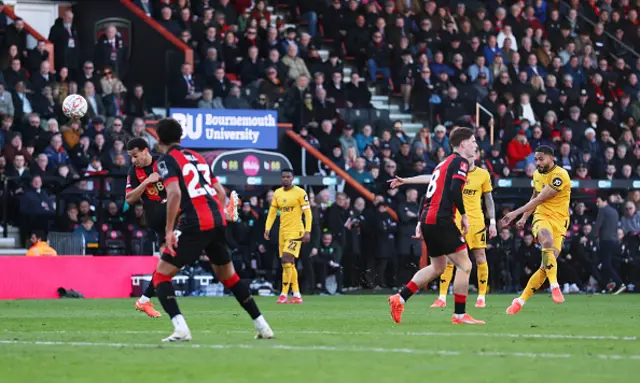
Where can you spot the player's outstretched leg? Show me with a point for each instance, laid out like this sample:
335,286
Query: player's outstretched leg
144,302
419,280
167,296
551,267
240,290
461,288
445,281
534,283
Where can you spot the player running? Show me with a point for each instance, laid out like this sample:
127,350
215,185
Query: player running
291,201
438,229
195,223
550,200
478,185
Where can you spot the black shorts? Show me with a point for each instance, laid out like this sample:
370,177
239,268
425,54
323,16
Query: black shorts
442,238
193,242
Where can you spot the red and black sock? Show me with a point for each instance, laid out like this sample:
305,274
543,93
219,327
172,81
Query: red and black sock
150,291
243,295
460,303
407,291
166,294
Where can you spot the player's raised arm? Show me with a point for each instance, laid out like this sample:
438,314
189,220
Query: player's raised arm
525,216
135,189
399,181
271,217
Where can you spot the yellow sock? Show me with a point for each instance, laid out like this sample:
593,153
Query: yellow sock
445,280
286,278
295,287
483,278
550,266
536,280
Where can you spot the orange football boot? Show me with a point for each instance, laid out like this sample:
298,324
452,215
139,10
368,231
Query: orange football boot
282,300
466,319
148,309
296,300
556,294
439,303
396,307
515,307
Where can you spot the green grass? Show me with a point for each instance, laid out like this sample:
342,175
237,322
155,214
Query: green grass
328,339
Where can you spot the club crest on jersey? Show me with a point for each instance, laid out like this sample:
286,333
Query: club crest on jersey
557,182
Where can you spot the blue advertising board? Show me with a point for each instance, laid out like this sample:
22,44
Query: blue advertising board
227,128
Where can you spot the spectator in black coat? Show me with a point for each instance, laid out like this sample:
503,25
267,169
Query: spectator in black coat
502,253
36,207
110,51
187,88
15,74
16,34
220,84
379,55
36,56
358,95
42,78
137,105
250,68
167,21
323,108
385,255
88,74
64,37
327,261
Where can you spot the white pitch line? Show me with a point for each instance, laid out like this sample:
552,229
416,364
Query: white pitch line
365,333
265,346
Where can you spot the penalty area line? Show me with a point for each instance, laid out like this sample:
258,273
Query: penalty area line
266,346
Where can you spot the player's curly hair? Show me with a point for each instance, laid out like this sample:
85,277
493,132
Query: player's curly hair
545,149
169,131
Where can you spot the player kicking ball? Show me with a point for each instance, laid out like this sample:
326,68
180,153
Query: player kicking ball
291,201
144,184
550,200
478,185
195,223
443,239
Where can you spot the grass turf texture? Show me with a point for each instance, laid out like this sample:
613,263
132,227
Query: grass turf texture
327,339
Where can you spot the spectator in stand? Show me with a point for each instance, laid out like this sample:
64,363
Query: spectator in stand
36,56
64,37
208,102
96,106
89,232
296,65
36,207
186,91
440,139
235,99
39,246
110,51
519,151
326,262
137,105
114,103
56,154
6,103
630,221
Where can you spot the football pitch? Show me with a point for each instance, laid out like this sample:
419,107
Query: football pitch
327,339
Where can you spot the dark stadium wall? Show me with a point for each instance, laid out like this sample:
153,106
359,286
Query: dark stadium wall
153,59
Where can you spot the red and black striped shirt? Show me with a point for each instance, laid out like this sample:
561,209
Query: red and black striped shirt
199,206
440,201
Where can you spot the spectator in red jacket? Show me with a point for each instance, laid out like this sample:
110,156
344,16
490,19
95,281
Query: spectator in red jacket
519,151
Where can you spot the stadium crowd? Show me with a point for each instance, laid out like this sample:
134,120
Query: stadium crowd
547,74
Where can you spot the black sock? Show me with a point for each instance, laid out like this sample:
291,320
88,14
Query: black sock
460,303
407,291
243,295
167,297
150,291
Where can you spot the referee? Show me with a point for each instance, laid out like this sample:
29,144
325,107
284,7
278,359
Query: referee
607,228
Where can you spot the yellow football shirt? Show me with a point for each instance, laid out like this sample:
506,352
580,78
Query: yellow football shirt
478,183
291,204
557,207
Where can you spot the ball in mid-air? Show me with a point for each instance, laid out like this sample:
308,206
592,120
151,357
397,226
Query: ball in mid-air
74,106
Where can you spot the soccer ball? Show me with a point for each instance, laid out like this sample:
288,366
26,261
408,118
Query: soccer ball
74,106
